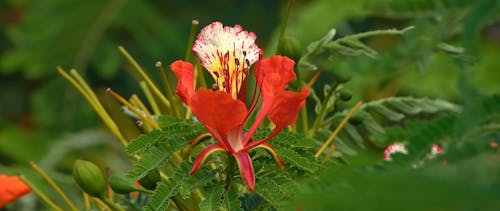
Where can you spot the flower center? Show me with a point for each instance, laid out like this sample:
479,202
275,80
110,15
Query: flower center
232,71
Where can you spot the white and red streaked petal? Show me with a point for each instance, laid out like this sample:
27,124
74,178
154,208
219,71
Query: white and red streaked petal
394,148
231,49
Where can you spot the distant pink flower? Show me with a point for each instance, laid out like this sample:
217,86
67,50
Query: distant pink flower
401,148
394,148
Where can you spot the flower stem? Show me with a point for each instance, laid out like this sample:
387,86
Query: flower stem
321,114
303,110
229,172
192,33
52,184
145,77
283,24
111,204
337,130
86,201
40,194
132,108
77,81
150,97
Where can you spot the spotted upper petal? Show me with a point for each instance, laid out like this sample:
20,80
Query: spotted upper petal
185,77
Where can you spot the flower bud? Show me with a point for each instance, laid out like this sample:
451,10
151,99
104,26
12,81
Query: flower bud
356,119
89,177
345,95
122,184
151,179
290,47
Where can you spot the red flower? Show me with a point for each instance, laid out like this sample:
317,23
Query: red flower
11,188
227,53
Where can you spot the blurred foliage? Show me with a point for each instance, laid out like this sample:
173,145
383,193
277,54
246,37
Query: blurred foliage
464,177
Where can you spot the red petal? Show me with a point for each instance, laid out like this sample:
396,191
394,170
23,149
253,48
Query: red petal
11,188
203,156
286,106
217,109
246,168
273,74
185,76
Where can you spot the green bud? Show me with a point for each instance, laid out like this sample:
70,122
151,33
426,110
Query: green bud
356,119
89,177
122,184
342,76
151,179
345,95
290,47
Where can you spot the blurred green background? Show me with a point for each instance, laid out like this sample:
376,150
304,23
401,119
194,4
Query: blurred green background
43,119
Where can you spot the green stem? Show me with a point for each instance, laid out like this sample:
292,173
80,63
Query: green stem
372,33
144,76
150,97
303,118
229,173
40,194
111,204
192,33
283,24
201,76
321,115
54,186
77,81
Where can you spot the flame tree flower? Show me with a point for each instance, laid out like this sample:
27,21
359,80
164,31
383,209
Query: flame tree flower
11,188
228,53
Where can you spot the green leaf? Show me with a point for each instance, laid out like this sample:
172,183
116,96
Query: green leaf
231,201
144,142
160,199
348,46
375,116
156,157
173,130
295,159
212,198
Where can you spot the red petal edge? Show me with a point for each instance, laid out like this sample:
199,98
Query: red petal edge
203,156
185,76
273,74
286,107
246,168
